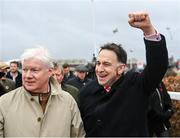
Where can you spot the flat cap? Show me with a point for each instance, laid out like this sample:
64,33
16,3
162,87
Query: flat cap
81,68
3,65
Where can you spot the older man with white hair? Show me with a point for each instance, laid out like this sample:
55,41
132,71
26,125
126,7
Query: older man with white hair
39,108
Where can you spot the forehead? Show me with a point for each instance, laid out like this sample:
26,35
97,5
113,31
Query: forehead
34,63
66,68
57,71
13,64
107,56
81,72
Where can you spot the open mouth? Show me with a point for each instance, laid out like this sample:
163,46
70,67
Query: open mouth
102,77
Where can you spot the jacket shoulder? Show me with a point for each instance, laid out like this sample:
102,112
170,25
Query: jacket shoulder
67,98
68,87
132,76
91,87
7,99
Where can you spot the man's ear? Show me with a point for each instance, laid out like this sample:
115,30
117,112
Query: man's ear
51,72
121,69
62,75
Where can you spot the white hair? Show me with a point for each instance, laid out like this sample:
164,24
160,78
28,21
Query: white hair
39,53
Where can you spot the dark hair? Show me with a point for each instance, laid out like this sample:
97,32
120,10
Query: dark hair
65,65
118,50
15,62
55,65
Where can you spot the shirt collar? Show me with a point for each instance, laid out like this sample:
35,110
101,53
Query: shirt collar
107,88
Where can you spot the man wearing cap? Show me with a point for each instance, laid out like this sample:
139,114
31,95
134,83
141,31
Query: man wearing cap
8,84
80,79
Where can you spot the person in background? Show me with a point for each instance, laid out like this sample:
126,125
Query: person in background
159,112
39,108
80,79
2,89
116,104
91,71
67,73
1,74
59,75
14,74
8,84
4,67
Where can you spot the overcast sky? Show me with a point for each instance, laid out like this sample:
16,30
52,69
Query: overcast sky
75,29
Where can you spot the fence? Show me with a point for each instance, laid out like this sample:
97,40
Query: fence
174,95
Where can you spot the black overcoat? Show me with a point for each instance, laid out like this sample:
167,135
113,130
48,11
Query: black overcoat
122,111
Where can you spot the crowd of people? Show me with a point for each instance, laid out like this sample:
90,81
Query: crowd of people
46,99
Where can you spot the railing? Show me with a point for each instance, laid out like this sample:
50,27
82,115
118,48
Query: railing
174,95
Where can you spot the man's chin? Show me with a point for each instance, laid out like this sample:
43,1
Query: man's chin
102,83
29,88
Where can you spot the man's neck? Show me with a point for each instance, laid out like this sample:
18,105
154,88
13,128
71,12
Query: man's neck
14,73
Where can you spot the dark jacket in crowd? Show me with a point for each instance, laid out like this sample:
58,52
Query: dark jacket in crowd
78,83
71,90
68,77
8,84
18,81
159,112
122,111
2,90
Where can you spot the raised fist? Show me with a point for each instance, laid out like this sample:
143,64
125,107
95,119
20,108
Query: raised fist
142,21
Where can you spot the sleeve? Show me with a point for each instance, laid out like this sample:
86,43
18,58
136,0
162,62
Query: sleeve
154,37
1,122
77,128
157,63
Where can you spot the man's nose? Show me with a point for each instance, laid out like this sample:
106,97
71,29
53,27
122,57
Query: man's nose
29,73
100,68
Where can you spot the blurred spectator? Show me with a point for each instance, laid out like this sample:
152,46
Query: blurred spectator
170,72
159,112
14,74
2,89
7,83
91,71
1,74
59,75
91,68
80,79
67,73
4,67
